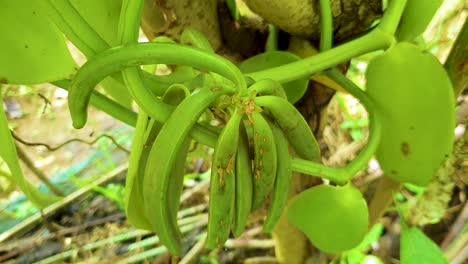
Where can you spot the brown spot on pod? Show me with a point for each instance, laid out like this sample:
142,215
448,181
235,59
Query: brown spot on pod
230,165
405,148
220,172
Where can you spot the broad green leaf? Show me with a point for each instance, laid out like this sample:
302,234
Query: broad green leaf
372,236
416,17
8,154
32,49
417,248
294,89
356,255
103,16
335,219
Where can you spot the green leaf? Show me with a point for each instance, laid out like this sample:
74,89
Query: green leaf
103,16
356,134
8,154
417,248
416,17
372,236
335,219
294,89
32,49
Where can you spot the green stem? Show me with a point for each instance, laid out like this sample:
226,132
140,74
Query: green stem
341,175
128,28
375,127
344,174
392,16
272,39
375,40
326,25
337,175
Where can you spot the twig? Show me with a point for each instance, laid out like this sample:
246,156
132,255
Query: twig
28,162
261,260
382,199
462,257
186,195
50,210
252,232
193,254
350,150
192,210
194,221
160,250
458,248
456,227
251,243
50,148
46,100
30,242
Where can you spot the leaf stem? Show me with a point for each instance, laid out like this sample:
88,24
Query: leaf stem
374,40
326,25
392,16
375,127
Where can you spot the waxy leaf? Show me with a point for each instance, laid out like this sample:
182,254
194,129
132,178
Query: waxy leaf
334,219
32,49
103,16
417,248
294,89
416,17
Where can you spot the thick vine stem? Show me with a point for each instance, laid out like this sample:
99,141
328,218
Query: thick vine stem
374,40
392,16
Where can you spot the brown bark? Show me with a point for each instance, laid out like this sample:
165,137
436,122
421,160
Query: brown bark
457,62
302,18
170,17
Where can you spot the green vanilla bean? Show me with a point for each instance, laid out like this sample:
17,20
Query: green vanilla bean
125,56
200,133
379,38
